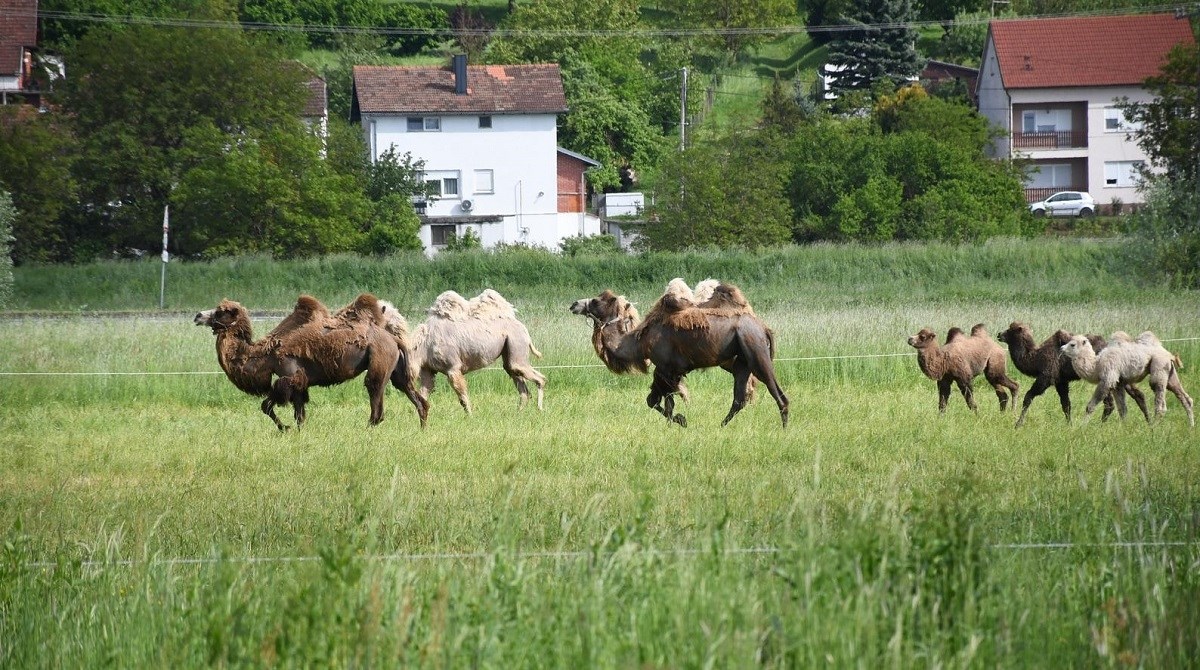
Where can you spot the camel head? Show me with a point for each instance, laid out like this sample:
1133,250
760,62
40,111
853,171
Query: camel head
228,315
1077,346
1015,333
923,339
393,321
608,308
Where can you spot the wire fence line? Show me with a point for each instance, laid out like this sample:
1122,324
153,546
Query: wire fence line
570,555
103,373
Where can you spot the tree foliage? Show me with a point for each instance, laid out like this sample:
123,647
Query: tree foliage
878,47
36,156
729,193
739,21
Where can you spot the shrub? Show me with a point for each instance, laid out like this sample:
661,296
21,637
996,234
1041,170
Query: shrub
1169,232
589,245
8,214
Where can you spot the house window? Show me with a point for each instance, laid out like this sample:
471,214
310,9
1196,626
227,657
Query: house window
484,181
441,235
443,184
419,124
485,122
1122,173
1051,175
1115,121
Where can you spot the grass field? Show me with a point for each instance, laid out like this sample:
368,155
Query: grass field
152,516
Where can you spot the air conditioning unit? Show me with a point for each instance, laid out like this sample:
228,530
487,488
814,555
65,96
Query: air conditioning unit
466,205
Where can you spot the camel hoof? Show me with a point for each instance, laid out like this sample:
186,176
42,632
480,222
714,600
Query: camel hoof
680,419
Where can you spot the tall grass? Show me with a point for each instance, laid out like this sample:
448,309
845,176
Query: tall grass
160,520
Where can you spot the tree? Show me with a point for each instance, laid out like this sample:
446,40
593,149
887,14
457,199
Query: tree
878,46
729,193
36,155
149,104
739,21
911,109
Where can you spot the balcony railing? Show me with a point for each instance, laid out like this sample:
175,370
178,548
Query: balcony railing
1059,139
1033,195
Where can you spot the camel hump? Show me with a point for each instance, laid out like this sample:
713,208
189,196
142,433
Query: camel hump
364,309
954,333
1061,337
729,299
978,330
491,305
307,310
393,321
704,290
678,293
450,305
1149,339
1120,337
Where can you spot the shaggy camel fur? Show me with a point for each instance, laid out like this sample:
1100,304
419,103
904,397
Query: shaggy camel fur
677,338
310,347
462,336
1049,367
960,360
1128,361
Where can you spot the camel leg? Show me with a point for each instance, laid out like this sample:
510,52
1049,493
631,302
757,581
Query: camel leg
268,408
1000,383
1139,398
1102,390
459,383
376,383
1118,399
741,379
282,392
763,368
522,389
1039,387
943,394
1174,386
403,382
662,396
1064,397
300,406
968,393
519,374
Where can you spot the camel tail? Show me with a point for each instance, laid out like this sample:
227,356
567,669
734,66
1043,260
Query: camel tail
771,342
1177,361
533,350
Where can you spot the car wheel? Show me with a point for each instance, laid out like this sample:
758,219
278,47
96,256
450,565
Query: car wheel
1086,213
1040,213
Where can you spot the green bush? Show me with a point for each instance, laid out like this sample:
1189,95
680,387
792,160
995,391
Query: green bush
8,214
1169,232
589,245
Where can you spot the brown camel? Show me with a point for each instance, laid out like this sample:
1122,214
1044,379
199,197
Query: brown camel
960,360
311,347
1050,367
678,337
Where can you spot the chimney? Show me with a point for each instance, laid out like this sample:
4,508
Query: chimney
460,74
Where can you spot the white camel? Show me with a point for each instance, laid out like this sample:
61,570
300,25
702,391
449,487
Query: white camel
462,336
1126,360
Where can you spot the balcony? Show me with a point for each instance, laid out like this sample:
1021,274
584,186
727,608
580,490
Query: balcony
1059,139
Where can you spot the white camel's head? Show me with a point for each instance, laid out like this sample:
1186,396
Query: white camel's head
1077,346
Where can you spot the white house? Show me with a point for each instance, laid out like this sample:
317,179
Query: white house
488,135
1052,86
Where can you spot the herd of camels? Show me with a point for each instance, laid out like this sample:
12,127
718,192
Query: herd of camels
712,325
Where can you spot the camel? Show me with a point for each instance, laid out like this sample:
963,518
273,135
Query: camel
1127,361
1049,367
462,336
679,336
960,360
310,347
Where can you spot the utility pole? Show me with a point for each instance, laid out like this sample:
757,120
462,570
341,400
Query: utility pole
162,285
683,112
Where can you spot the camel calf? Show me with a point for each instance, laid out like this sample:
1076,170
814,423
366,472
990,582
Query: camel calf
960,360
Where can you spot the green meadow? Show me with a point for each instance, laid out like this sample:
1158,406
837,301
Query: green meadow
151,516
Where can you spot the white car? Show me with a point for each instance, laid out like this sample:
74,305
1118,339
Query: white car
1065,203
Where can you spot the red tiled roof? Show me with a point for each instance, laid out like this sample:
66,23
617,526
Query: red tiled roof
18,29
491,89
1085,51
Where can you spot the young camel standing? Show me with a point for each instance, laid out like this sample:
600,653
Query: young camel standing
1128,361
962,359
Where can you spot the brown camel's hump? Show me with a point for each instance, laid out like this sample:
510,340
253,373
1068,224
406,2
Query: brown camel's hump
978,330
307,310
953,334
365,309
729,299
